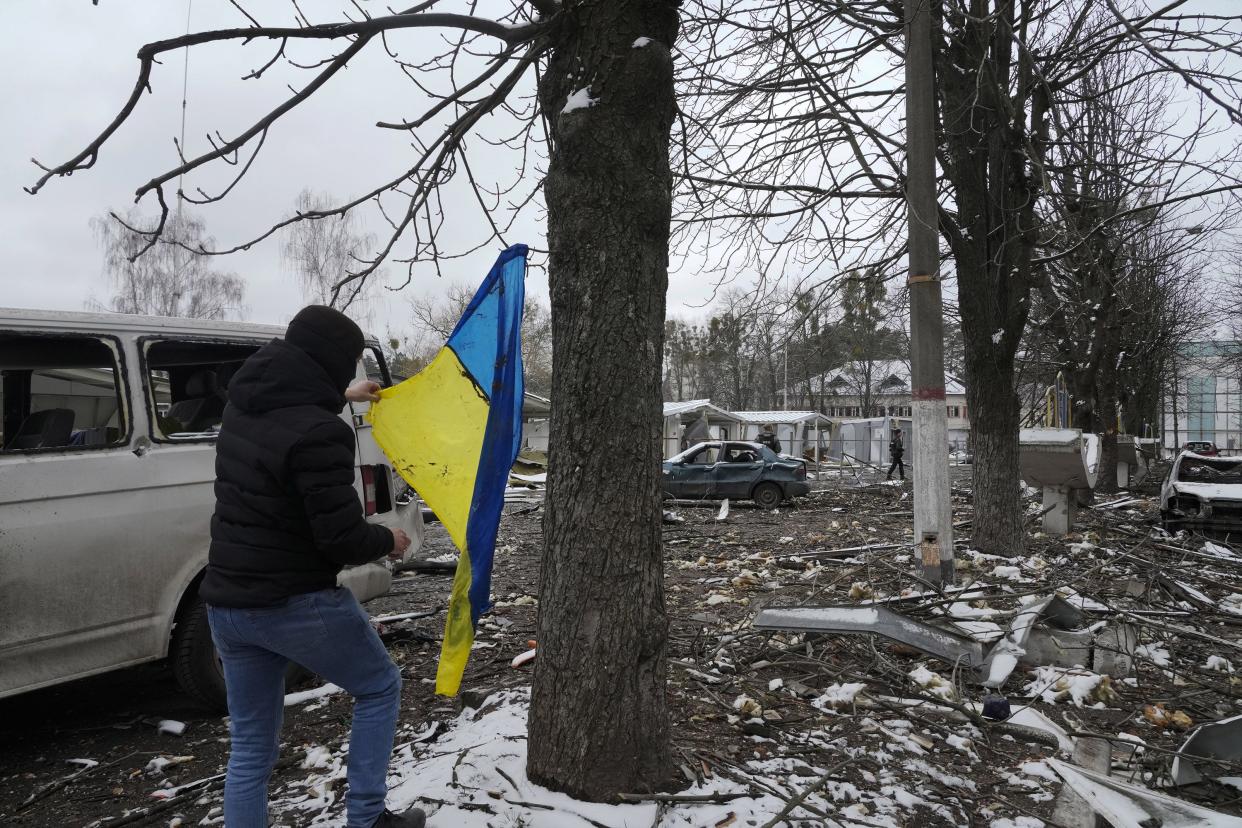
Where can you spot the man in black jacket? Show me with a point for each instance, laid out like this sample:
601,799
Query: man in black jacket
768,438
287,519
896,450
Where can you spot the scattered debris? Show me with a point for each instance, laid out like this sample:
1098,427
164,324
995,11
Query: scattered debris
874,620
523,658
1214,740
1129,806
855,728
171,727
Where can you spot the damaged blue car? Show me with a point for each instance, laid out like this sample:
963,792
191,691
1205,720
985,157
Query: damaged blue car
736,470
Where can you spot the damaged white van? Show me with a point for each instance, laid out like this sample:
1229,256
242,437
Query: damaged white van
107,464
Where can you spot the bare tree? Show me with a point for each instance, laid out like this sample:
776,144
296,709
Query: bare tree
792,157
167,280
435,318
322,253
602,112
1114,307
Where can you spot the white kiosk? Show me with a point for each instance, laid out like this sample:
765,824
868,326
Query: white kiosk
1133,461
1060,460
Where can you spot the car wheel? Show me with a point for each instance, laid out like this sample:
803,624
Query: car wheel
197,667
194,661
768,495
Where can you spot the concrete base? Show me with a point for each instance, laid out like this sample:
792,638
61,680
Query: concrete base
1114,650
1123,475
1058,648
1072,810
1061,505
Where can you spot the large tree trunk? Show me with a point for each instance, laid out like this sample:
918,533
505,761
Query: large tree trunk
599,719
994,413
985,158
1106,423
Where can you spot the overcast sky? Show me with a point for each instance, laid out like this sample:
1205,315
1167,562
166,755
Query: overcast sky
68,67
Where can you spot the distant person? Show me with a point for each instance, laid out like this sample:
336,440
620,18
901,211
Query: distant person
896,450
767,437
287,519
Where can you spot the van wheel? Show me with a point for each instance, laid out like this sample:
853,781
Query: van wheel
194,661
197,668
768,496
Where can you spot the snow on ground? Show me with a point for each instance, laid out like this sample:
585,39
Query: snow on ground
1079,687
1155,653
314,694
474,776
838,696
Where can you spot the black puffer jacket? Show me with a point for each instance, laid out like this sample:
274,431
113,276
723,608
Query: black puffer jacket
287,515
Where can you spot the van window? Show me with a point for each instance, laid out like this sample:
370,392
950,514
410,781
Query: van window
60,392
187,385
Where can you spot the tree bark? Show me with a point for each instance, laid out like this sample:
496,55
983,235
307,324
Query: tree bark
599,719
985,158
994,413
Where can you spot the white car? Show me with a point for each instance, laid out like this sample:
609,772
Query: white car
1203,493
107,467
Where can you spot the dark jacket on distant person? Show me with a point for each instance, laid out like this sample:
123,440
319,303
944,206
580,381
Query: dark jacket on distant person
769,439
896,448
287,515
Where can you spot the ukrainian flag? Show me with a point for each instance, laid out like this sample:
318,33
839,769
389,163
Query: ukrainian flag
453,432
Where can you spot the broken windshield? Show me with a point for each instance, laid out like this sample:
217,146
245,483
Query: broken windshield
1198,470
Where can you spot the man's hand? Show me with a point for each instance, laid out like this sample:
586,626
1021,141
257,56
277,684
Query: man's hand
400,543
363,391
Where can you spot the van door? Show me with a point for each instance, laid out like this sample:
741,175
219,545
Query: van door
387,499
184,385
71,599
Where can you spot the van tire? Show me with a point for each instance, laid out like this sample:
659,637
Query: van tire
768,495
197,668
194,661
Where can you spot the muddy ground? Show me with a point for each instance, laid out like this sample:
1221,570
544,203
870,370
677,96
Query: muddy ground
736,695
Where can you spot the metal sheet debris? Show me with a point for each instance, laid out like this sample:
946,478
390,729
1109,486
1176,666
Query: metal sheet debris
875,620
1072,810
1130,806
1018,644
1214,740
1027,641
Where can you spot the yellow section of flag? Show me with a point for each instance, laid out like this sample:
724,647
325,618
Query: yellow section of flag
431,427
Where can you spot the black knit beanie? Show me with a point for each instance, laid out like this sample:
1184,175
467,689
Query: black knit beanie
331,338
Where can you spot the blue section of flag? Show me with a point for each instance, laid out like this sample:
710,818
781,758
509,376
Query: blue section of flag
488,342
479,338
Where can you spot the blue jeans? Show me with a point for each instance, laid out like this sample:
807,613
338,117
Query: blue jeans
328,633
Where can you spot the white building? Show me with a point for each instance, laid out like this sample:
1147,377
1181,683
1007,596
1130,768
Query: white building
879,388
536,421
1207,401
700,420
802,433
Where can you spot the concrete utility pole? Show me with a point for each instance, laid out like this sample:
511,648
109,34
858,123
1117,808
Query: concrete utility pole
933,517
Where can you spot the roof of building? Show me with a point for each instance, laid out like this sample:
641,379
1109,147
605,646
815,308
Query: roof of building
533,404
680,407
776,417
887,376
